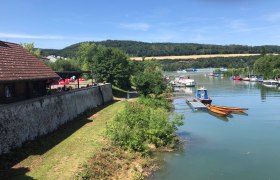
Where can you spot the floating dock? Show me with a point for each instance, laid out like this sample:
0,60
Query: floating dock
195,104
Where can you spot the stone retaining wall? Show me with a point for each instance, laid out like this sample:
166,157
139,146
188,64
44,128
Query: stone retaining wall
26,120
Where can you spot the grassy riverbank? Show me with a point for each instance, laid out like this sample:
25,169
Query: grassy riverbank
61,154
114,143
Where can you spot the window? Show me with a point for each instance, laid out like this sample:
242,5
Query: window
9,91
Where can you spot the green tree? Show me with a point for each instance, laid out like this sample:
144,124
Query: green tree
86,52
29,47
111,65
64,65
150,81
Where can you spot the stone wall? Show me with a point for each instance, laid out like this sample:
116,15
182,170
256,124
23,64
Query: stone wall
26,120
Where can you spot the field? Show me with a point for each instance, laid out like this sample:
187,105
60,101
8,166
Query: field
192,56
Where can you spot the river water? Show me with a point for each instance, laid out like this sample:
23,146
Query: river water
234,148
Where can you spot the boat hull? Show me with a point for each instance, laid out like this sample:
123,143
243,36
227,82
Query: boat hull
205,101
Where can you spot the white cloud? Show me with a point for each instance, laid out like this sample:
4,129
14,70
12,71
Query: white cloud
28,36
136,26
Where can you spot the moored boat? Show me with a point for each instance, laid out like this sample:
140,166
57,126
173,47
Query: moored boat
233,109
270,83
236,78
217,111
246,79
202,96
253,79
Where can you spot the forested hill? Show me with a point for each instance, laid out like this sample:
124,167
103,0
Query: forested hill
135,48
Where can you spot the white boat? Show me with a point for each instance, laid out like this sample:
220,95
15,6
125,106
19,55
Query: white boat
270,83
246,79
253,79
182,71
188,82
183,82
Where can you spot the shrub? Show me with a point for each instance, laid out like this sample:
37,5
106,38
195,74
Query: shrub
141,124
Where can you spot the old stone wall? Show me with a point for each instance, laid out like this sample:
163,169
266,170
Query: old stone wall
23,121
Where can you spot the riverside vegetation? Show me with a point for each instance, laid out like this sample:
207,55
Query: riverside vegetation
141,127
267,66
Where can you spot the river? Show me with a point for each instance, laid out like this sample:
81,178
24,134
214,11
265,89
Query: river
238,147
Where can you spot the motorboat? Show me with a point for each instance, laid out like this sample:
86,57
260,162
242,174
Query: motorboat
187,82
253,79
182,71
270,83
202,96
246,79
236,78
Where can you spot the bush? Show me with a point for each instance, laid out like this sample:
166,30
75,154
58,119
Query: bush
139,124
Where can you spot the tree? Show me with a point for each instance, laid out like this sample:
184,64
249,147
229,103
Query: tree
150,81
64,65
111,65
29,47
86,52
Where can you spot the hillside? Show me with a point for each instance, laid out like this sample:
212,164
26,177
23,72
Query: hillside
140,49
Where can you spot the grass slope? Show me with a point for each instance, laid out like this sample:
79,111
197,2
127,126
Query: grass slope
65,159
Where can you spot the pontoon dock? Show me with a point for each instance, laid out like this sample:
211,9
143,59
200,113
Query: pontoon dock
195,104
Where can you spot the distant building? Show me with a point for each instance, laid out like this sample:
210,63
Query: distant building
22,75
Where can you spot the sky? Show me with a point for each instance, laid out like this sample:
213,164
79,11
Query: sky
60,23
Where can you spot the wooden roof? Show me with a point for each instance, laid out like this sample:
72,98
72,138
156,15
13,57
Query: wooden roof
16,64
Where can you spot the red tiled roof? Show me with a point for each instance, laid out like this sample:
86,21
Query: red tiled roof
17,64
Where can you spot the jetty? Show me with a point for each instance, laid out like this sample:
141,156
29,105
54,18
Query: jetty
195,104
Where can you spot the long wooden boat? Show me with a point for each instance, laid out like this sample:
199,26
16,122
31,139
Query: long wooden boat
220,109
229,108
219,112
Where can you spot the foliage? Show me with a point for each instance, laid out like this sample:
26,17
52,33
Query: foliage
138,125
64,65
142,49
111,65
228,62
268,66
150,81
85,54
112,162
159,102
29,47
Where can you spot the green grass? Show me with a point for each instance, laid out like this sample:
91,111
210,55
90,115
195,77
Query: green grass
64,159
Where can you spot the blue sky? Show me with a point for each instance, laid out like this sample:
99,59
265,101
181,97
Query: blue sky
59,23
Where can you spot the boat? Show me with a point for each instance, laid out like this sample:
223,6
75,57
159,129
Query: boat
219,112
202,96
270,83
246,79
260,79
236,78
182,71
253,79
185,81
232,109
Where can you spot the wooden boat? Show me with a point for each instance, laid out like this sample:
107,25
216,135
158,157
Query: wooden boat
202,96
219,112
233,109
220,109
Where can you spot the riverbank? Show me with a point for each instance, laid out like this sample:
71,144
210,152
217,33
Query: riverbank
81,150
61,155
